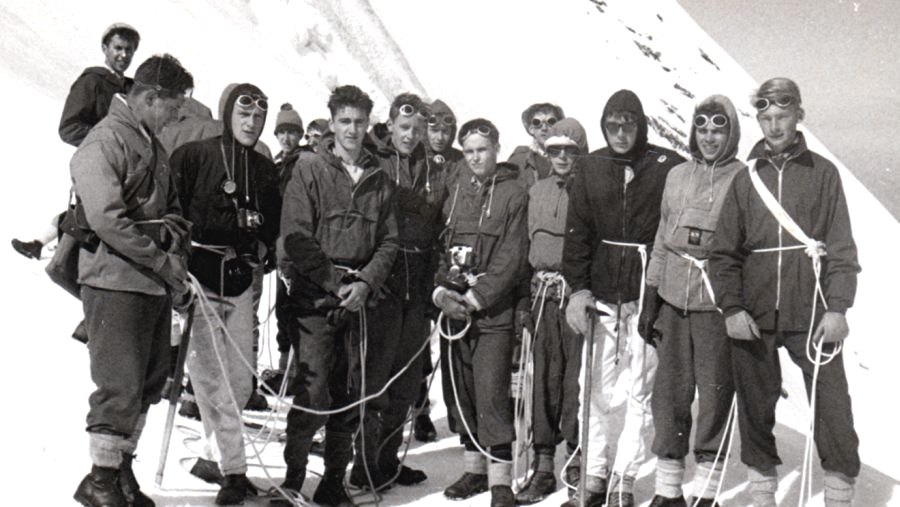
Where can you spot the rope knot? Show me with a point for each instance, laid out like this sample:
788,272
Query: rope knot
816,250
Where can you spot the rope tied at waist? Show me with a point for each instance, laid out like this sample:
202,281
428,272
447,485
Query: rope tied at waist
700,265
642,250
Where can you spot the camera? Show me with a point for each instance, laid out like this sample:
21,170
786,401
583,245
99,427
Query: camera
462,257
249,219
459,277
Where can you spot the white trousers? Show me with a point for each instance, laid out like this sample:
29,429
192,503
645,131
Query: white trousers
212,379
620,427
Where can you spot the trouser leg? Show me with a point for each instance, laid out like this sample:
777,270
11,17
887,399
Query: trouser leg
673,390
757,381
549,371
715,384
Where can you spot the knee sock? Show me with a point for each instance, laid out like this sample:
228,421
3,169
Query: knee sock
595,484
543,458
838,489
762,486
669,476
708,474
106,449
475,462
623,483
499,474
130,444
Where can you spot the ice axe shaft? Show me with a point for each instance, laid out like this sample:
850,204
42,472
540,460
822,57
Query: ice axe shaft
586,402
173,392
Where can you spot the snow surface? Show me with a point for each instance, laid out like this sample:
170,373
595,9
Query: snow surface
487,59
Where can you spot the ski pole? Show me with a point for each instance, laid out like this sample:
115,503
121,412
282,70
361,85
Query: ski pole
173,390
586,403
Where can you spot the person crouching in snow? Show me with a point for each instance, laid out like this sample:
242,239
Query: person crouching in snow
680,316
482,262
612,220
763,273
230,193
557,347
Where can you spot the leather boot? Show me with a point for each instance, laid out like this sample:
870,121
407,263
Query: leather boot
541,485
664,501
330,490
467,486
129,484
235,490
502,496
100,488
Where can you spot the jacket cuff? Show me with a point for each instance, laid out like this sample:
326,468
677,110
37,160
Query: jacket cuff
472,299
838,307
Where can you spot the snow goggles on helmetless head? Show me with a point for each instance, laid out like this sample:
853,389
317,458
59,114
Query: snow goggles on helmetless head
538,123
762,103
408,110
716,120
249,100
559,151
483,130
437,120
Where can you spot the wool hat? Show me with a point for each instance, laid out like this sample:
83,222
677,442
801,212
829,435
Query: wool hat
288,119
533,109
567,132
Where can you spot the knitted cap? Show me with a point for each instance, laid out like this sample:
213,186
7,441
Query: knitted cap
567,132
288,119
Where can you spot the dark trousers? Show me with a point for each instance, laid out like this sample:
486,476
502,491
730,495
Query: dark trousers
557,363
481,369
284,314
757,376
129,351
406,329
694,354
329,375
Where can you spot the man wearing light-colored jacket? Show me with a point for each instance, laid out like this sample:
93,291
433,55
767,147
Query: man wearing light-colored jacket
121,175
689,333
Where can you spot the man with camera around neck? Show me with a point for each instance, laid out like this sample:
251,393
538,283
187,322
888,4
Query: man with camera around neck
482,262
230,193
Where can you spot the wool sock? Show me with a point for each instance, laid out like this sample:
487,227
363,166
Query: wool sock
707,477
669,476
106,449
762,486
475,463
838,489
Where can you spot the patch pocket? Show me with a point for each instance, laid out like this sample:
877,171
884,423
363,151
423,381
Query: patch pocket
348,235
696,228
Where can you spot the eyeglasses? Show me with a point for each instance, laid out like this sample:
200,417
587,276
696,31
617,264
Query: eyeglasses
483,130
628,127
436,120
762,103
249,100
717,120
560,151
538,123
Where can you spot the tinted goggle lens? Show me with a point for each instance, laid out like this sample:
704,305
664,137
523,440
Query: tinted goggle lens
438,120
408,110
613,127
249,100
558,151
763,103
537,122
716,120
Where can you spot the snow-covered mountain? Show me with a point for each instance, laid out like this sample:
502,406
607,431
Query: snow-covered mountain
487,59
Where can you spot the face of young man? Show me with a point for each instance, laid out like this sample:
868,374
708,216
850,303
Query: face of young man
289,139
779,126
440,137
406,132
156,112
481,155
349,125
562,158
712,141
118,52
247,124
313,137
621,133
544,120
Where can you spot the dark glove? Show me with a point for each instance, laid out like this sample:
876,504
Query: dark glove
178,229
648,317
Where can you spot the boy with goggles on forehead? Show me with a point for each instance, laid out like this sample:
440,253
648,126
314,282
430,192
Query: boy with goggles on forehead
784,270
231,195
557,347
680,317
612,221
486,234
532,160
419,192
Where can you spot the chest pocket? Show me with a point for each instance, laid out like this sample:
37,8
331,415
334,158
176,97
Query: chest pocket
695,229
140,182
348,234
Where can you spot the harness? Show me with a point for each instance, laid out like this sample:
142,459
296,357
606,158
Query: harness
642,250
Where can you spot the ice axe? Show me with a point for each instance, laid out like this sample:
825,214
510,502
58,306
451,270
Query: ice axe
173,392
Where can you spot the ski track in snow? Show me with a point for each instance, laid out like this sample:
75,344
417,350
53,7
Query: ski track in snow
296,51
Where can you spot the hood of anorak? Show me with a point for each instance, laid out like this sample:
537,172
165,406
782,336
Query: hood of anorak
734,129
440,109
568,131
627,100
226,103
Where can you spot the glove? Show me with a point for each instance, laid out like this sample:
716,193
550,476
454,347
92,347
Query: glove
832,328
649,314
174,272
451,303
179,228
741,326
182,298
524,321
577,311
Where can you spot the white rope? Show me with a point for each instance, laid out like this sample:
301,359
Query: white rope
700,264
729,431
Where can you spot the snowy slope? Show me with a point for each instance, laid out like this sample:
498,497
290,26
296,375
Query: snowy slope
484,58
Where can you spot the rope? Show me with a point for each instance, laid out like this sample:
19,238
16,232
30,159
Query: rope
700,264
729,430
